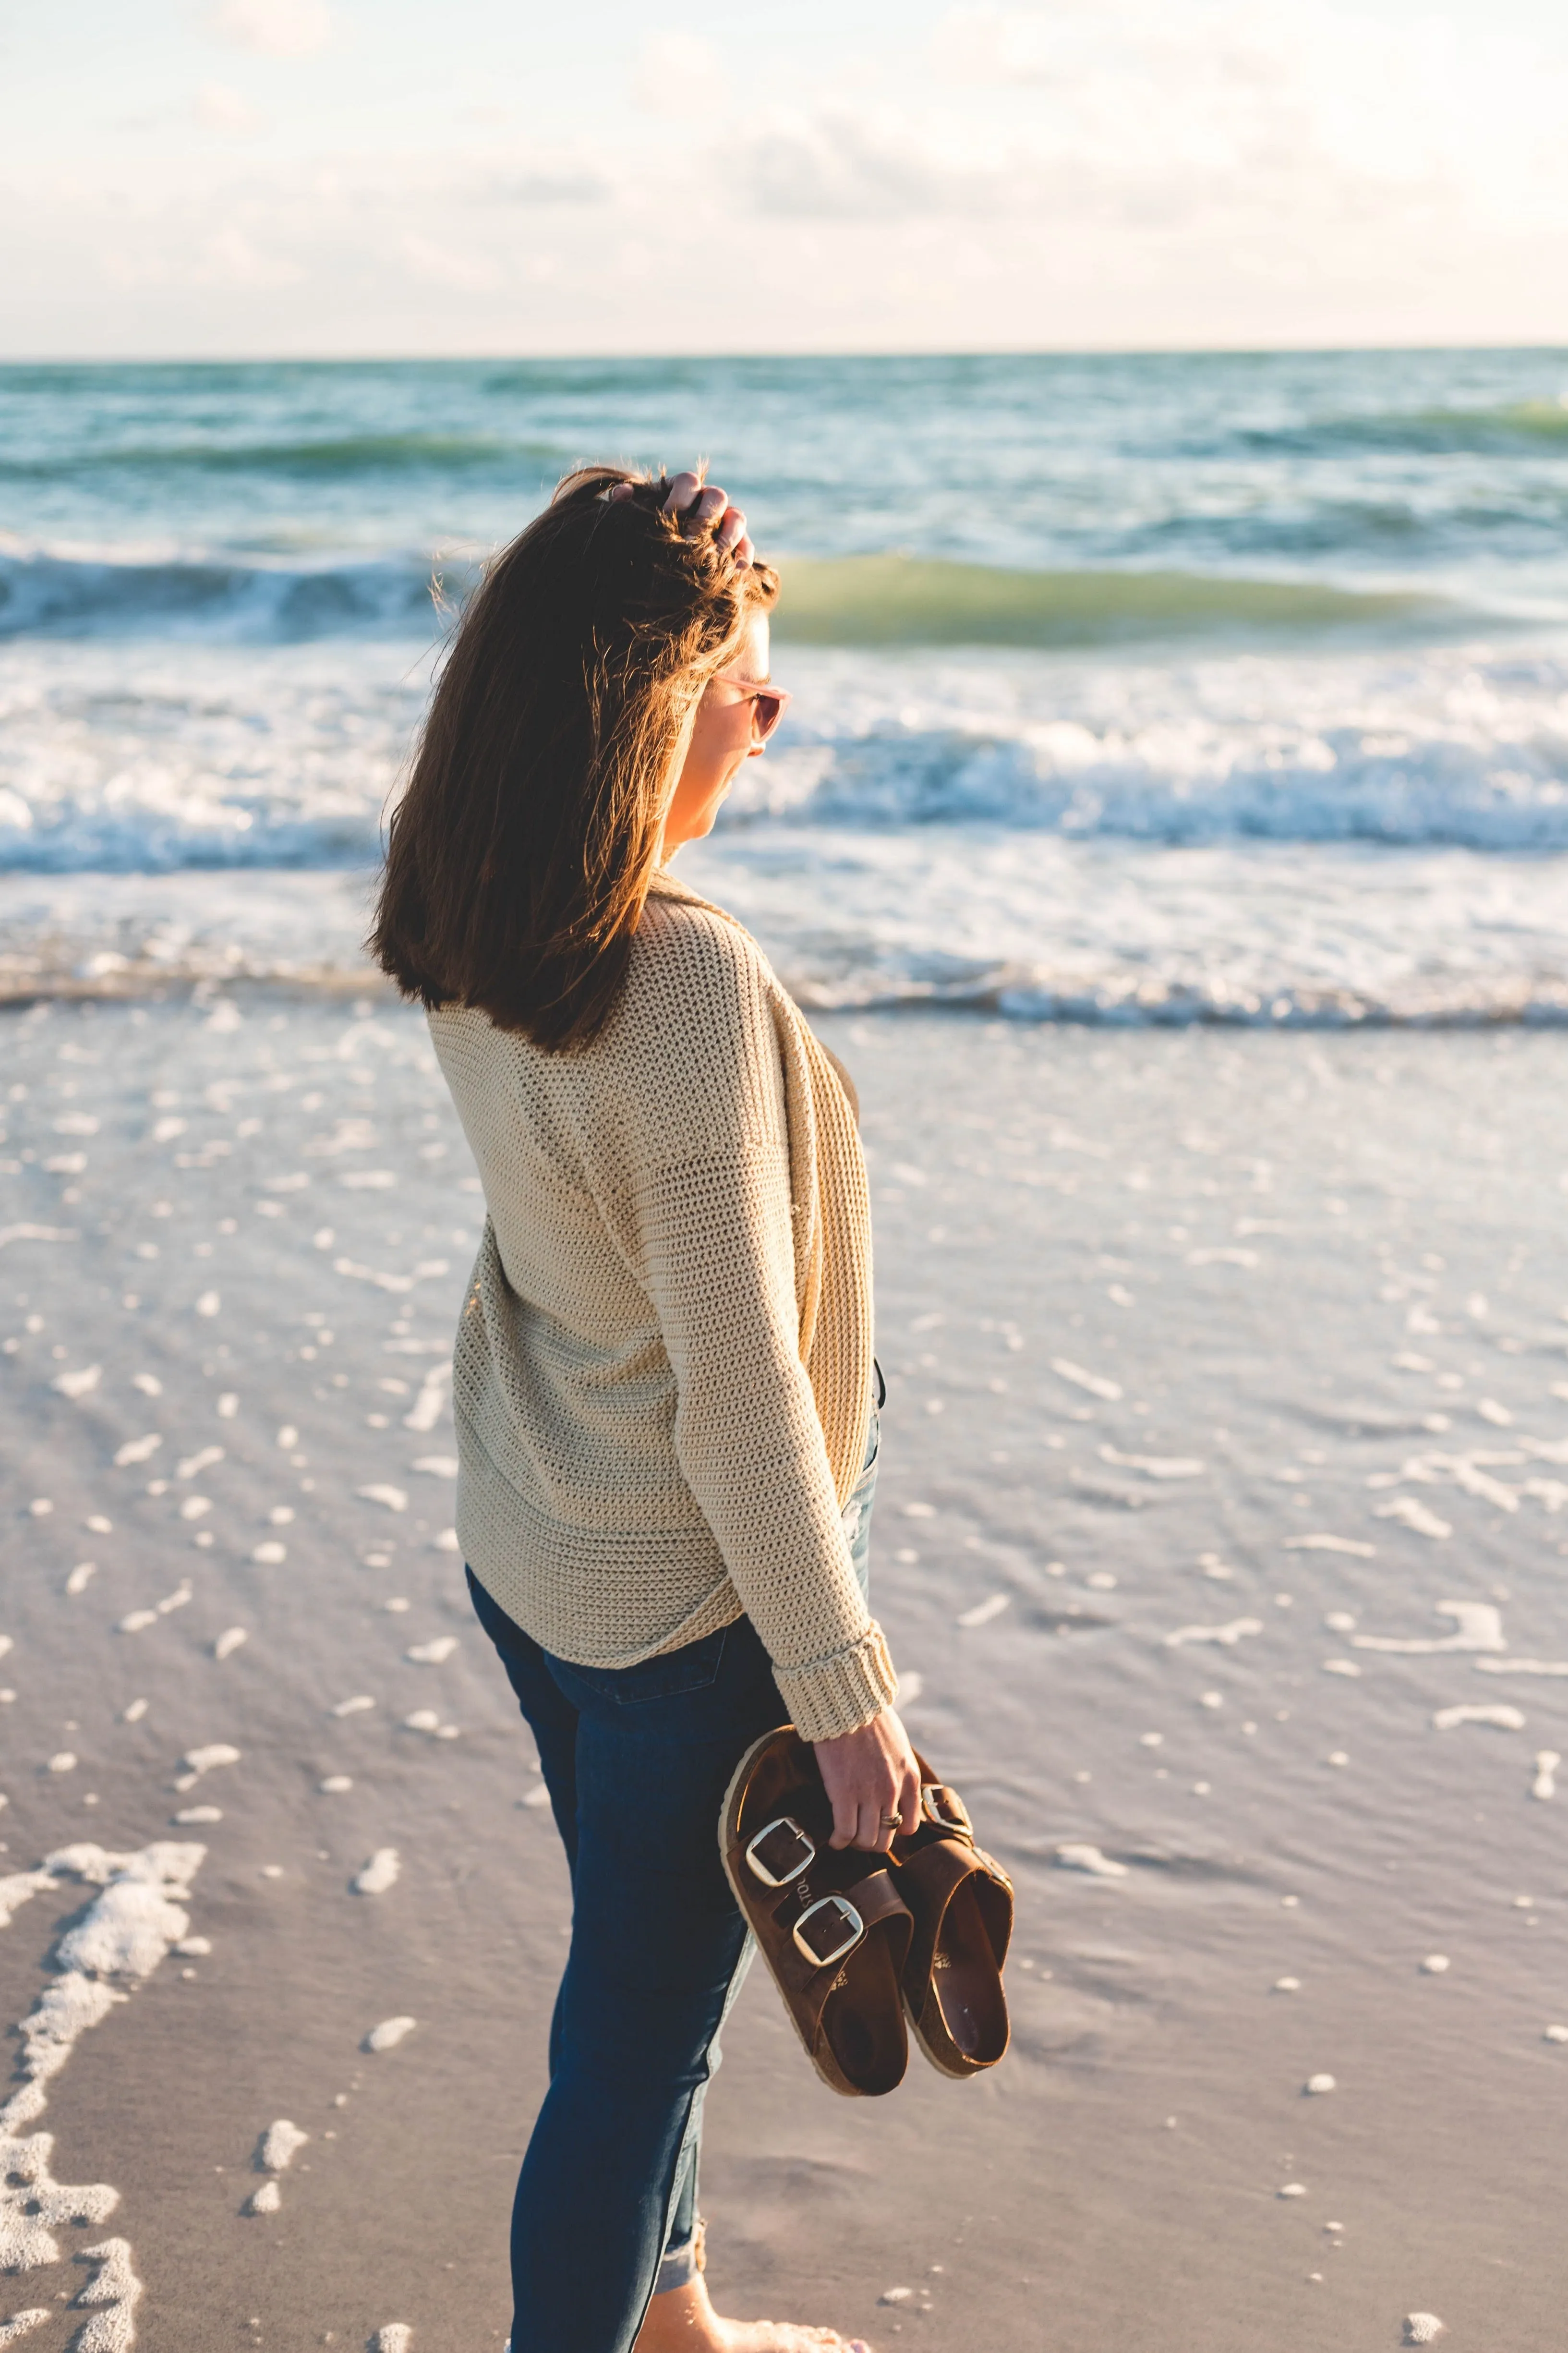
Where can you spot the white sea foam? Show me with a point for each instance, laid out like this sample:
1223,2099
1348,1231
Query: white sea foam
431,1403
20,1888
136,1622
1228,1635
197,1761
130,1927
984,1611
1413,1514
432,1654
124,1935
1077,1856
1155,1466
393,1499
395,1283
116,2290
278,2146
381,1872
389,2033
1503,1719
1098,1384
1349,1545
1478,1626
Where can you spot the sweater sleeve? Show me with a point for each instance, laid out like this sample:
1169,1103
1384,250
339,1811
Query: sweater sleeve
698,1190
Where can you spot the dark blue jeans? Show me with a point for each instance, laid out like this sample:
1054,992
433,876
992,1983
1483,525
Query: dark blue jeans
637,1760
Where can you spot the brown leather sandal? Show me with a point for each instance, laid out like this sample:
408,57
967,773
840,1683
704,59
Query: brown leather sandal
962,1905
830,1922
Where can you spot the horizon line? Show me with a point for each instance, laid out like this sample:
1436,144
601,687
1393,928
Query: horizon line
578,358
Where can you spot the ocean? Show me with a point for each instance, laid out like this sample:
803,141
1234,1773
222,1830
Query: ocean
1140,689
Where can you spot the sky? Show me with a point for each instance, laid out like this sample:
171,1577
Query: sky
222,178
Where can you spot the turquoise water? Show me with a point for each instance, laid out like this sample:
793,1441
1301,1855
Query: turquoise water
1443,471
1062,630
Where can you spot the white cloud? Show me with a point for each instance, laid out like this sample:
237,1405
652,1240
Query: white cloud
274,28
1114,176
837,165
1308,97
216,107
564,183
229,257
676,73
469,273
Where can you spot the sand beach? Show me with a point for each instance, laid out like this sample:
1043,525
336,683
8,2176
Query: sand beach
1220,1541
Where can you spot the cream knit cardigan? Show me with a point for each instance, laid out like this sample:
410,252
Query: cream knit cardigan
663,1370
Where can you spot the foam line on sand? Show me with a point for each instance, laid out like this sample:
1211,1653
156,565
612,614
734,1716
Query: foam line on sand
112,1948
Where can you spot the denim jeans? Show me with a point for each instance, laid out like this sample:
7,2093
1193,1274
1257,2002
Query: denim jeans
637,1760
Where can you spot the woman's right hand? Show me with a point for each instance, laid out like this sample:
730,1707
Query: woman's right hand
703,507
869,1775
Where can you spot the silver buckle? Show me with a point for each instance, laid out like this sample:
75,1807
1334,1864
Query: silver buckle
945,1808
854,1930
794,1853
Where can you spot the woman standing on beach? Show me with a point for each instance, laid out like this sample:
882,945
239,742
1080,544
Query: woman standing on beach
664,1380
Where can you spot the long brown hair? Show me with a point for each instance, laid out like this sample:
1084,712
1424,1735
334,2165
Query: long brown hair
520,856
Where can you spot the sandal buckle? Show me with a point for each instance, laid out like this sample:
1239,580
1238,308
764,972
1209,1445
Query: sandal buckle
945,1808
792,1853
852,1930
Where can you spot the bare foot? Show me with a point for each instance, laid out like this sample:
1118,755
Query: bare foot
683,2321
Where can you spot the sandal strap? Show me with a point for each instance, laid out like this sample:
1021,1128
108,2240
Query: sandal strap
879,1905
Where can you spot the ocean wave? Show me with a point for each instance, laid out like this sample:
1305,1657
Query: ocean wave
302,457
864,600
46,594
1033,929
1180,781
904,600
143,756
1514,427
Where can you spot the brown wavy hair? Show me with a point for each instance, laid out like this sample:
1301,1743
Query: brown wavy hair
520,856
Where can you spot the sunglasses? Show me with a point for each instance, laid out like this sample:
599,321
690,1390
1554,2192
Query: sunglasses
768,703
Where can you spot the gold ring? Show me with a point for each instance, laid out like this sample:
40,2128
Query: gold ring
891,1821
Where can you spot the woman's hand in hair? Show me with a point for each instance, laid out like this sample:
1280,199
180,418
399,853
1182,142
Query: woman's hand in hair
868,1774
705,506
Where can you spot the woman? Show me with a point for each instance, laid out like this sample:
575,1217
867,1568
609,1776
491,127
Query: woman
664,1374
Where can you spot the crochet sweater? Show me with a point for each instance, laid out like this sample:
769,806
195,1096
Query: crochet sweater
663,1369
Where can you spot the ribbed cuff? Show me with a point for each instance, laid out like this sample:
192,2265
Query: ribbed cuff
835,1696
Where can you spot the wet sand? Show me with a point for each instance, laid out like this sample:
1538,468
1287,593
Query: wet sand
1217,1363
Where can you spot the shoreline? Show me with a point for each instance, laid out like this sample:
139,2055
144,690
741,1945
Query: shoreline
1230,1246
